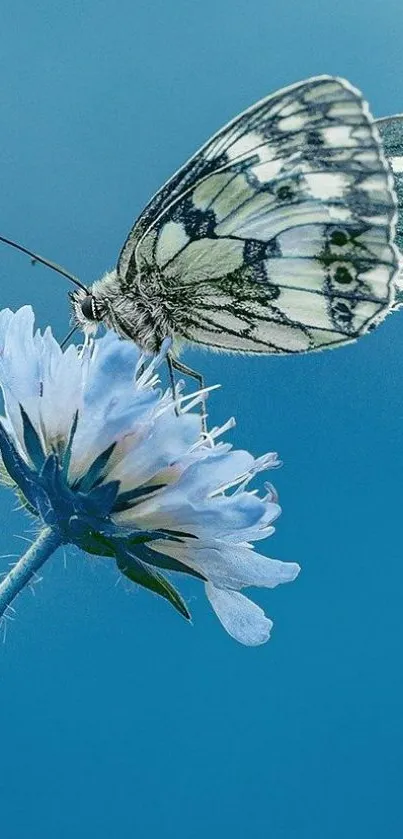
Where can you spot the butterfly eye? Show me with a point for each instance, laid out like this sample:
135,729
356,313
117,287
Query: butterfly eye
89,308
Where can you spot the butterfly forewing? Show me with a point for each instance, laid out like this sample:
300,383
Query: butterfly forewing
277,236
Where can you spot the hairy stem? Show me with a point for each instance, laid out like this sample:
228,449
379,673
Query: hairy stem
26,567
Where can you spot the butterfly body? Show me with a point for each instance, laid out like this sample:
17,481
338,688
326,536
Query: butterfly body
276,237
141,316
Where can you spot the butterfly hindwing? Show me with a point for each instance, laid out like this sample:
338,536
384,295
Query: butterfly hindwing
277,235
391,131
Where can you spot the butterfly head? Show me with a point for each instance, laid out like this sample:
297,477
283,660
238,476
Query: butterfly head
88,310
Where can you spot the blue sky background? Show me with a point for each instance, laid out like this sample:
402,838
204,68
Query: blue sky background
117,718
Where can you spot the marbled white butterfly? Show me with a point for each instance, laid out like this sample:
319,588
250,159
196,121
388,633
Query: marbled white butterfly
276,237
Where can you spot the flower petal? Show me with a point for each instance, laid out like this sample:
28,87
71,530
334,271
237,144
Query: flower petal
240,617
61,376
162,442
112,404
229,566
228,518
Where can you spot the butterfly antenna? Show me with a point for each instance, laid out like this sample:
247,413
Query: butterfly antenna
36,258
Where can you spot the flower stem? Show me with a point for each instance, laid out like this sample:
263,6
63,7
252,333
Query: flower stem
26,567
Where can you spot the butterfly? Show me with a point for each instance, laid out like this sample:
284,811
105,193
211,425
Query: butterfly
277,236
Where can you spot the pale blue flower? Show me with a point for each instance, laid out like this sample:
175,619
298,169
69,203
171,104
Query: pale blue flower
101,457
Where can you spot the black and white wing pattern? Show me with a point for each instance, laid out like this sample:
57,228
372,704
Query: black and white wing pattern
277,236
391,131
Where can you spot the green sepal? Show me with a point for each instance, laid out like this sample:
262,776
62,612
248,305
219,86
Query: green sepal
96,544
7,481
129,499
139,573
133,568
32,442
95,471
24,503
67,453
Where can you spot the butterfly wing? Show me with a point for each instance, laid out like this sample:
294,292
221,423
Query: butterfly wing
277,236
391,131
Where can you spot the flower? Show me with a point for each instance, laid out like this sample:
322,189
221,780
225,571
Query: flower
105,460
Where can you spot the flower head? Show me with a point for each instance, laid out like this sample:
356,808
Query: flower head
107,461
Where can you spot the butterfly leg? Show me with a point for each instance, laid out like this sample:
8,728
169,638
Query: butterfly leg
173,363
68,336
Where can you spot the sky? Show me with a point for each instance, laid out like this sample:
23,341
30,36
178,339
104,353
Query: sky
118,718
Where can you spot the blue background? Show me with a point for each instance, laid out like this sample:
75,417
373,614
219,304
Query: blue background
117,718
